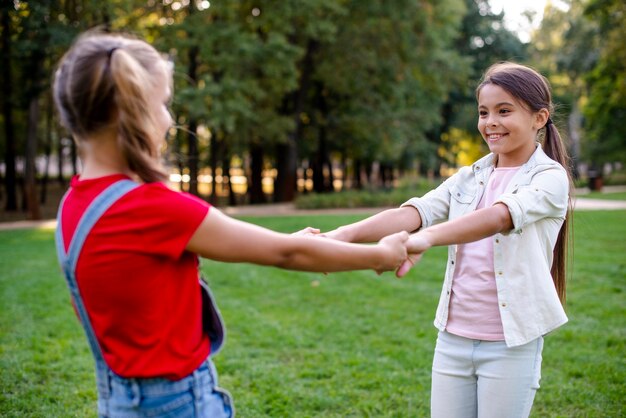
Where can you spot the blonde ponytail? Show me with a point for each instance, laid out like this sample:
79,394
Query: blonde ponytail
136,125
104,82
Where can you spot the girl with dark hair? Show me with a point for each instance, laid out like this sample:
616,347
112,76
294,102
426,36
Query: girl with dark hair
504,221
129,245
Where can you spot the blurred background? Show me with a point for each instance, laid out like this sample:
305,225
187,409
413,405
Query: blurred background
277,101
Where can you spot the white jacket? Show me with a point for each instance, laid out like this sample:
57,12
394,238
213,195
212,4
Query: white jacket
537,198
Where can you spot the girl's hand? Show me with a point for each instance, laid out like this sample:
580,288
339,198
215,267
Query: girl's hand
416,245
410,261
395,248
307,231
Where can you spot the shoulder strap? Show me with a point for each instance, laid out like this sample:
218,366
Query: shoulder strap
69,259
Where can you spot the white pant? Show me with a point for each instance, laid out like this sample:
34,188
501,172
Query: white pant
481,379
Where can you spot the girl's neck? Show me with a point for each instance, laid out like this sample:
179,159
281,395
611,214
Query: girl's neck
101,157
516,160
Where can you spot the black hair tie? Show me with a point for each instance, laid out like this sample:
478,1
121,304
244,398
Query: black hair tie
111,51
549,122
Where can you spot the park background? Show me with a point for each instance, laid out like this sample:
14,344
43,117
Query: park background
317,104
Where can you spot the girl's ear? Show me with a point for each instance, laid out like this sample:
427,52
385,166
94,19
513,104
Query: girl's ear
541,118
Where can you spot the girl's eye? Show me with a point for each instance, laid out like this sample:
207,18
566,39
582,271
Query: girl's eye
482,113
505,111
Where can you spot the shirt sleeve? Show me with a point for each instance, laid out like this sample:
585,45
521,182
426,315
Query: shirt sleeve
546,196
167,218
434,206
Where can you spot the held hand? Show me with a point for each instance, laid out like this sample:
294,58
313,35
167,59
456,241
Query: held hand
307,231
396,251
410,261
416,245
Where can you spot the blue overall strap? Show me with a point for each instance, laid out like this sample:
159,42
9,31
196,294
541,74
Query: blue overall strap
69,260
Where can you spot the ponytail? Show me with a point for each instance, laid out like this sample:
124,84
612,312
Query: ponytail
554,148
104,83
135,124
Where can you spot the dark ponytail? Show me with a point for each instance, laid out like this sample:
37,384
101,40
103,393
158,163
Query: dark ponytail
554,148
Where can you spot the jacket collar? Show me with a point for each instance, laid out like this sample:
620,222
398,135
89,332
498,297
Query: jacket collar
538,157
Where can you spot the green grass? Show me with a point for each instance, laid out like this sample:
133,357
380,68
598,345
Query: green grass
604,195
308,345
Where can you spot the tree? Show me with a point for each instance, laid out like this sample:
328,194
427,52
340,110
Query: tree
582,51
605,110
384,78
6,101
564,50
34,36
482,41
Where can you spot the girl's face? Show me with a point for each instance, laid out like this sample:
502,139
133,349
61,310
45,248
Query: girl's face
509,129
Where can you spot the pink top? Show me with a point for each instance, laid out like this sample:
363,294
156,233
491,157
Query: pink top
474,311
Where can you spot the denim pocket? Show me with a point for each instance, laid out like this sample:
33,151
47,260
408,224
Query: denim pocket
157,398
461,196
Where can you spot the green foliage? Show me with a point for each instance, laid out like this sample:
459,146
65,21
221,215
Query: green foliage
304,345
606,108
386,74
482,41
582,51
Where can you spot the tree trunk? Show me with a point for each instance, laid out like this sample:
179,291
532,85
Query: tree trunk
214,146
368,173
177,155
255,189
60,158
232,201
357,174
286,167
5,102
48,151
193,125
30,170
285,185
192,157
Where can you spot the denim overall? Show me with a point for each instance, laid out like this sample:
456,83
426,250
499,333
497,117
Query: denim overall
196,395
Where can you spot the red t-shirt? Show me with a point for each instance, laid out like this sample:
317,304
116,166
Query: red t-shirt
138,283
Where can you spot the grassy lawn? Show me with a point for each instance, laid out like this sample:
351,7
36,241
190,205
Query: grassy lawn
308,345
605,196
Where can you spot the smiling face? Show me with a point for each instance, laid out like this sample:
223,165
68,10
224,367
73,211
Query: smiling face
508,127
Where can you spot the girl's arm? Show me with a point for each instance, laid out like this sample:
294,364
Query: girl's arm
434,205
471,227
222,238
375,227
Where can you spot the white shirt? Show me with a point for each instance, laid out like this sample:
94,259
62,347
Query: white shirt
473,311
537,198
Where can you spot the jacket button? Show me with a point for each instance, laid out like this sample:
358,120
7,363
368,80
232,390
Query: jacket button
452,262
497,241
500,273
504,305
